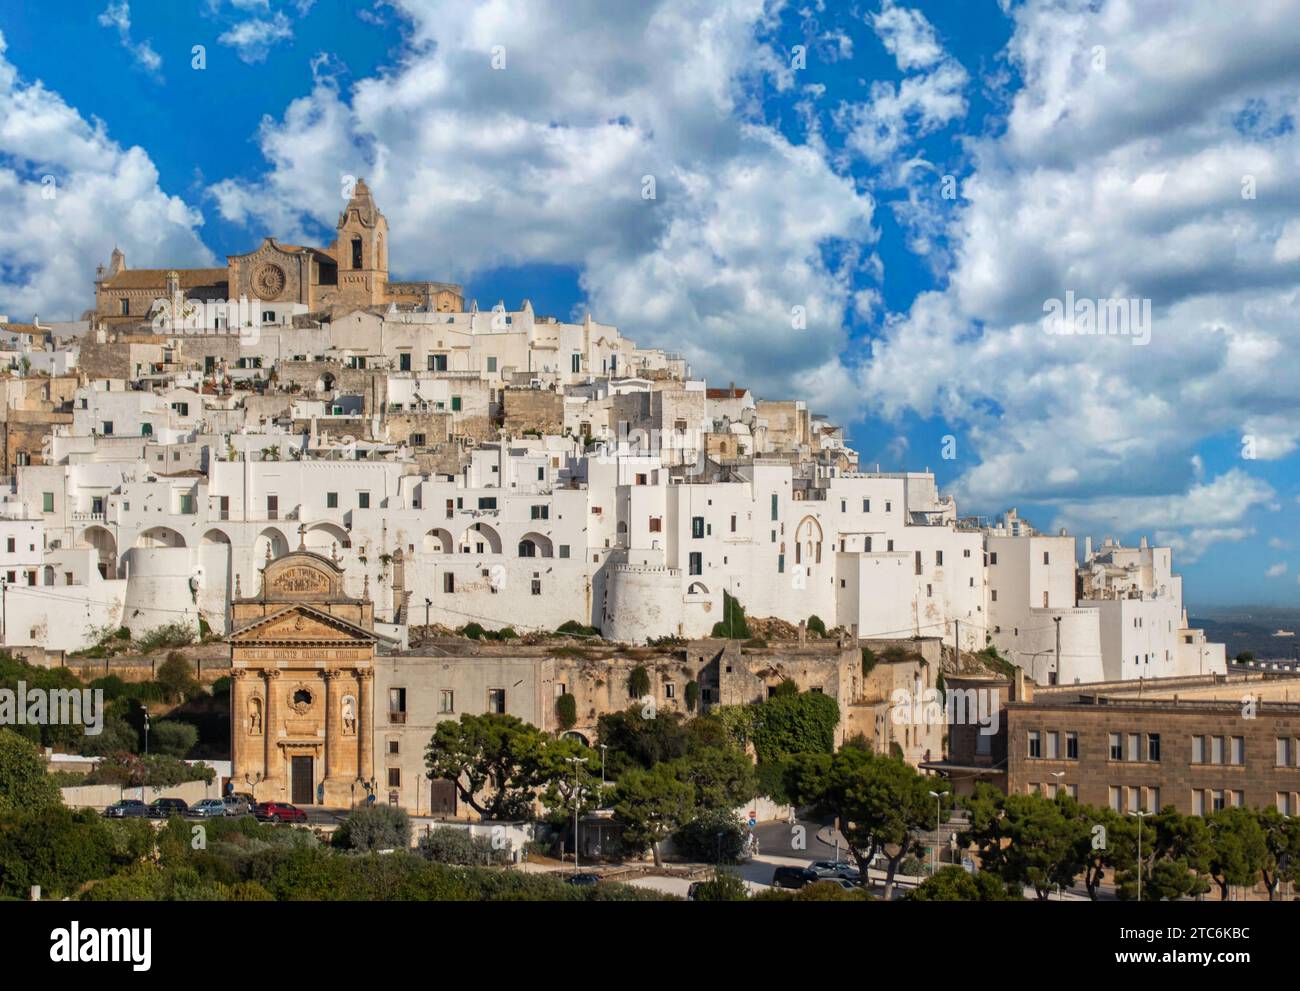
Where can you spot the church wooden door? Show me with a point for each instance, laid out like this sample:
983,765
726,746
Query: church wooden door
302,781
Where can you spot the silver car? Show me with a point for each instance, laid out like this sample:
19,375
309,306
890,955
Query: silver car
209,808
236,806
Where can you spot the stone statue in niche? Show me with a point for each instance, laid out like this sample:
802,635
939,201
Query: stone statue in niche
349,715
255,716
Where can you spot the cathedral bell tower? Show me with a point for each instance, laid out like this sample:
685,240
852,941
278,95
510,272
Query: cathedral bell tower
362,250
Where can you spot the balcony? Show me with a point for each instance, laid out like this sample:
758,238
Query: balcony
396,718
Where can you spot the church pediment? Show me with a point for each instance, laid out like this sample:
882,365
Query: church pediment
301,624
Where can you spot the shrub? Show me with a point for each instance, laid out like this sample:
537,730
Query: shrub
172,738
733,625
165,637
715,836
575,629
24,784
692,695
815,625
638,682
458,846
380,827
175,678
724,886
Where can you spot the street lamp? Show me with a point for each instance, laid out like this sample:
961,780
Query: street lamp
603,748
577,793
1140,817
146,729
934,849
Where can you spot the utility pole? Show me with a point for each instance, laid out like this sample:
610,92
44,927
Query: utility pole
1057,620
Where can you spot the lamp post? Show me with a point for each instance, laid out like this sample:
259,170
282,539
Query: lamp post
146,729
1140,817
934,849
603,748
577,795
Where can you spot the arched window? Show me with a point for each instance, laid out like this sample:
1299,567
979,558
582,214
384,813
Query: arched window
356,252
527,548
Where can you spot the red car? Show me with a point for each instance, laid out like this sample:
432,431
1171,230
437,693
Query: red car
279,812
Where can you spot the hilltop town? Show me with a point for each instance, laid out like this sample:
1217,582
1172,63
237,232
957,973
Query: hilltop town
370,511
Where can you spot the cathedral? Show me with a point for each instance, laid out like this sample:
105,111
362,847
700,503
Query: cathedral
350,274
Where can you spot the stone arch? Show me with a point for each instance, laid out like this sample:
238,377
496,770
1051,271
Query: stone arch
535,545
103,541
215,536
573,734
159,536
274,540
323,538
480,533
697,588
438,541
808,541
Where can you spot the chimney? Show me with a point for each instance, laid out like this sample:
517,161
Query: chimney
1018,686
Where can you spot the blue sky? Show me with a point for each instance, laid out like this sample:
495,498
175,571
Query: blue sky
801,155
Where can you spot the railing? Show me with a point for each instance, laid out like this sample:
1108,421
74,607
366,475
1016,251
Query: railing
397,718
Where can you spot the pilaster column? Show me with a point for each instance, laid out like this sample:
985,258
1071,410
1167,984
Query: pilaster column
365,729
333,736
238,723
271,724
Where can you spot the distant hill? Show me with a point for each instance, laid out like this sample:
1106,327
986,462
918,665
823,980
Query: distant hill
1251,628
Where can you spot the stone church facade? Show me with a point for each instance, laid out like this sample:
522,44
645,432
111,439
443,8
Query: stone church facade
302,686
351,273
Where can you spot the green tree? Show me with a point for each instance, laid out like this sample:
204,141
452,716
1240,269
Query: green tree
635,741
1028,840
1282,849
24,783
714,836
881,803
815,625
1238,848
448,845
566,768
955,884
652,804
722,777
801,723
172,738
175,677
492,759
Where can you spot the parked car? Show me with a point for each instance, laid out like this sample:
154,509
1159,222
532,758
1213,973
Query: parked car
279,812
209,808
236,805
163,808
794,877
127,808
831,868
583,880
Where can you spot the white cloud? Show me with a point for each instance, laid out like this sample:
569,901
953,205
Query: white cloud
102,194
542,161
907,35
1122,183
118,15
1276,570
254,38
